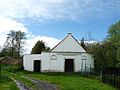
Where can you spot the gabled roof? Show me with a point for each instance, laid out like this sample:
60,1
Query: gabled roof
68,44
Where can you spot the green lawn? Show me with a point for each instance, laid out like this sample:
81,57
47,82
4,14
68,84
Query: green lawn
69,81
21,79
65,81
7,84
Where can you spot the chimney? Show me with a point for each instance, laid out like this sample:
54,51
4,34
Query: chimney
69,33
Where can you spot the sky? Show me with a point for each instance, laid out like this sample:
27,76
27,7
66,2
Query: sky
52,20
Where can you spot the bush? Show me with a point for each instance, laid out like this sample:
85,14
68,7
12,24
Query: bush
12,68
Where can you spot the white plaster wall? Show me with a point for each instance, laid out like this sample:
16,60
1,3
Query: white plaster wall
68,45
78,63
57,65
28,61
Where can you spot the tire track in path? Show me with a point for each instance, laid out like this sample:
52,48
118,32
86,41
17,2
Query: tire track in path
44,85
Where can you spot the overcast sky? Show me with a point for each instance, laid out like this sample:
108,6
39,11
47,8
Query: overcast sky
51,20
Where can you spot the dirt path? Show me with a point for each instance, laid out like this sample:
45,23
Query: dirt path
21,85
39,85
44,85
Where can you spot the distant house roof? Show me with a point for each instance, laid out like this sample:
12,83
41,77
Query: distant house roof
68,44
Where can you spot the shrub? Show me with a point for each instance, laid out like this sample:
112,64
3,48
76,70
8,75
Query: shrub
12,68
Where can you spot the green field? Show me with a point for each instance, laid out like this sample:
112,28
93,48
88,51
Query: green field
69,81
65,81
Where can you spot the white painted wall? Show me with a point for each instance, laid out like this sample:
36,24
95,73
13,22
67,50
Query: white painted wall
69,44
55,62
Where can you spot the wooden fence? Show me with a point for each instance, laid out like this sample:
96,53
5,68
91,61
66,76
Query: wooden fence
111,76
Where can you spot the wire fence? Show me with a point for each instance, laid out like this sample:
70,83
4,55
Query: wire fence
109,76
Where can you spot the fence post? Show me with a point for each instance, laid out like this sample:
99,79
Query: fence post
114,77
90,68
102,74
0,69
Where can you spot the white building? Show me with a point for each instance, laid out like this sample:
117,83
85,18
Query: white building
66,56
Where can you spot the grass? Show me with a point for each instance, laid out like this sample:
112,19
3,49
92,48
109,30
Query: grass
21,79
7,71
69,81
7,84
65,81
10,68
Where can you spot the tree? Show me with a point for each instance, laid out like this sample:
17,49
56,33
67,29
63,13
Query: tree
13,43
19,37
38,48
82,43
46,49
107,53
104,54
2,54
9,45
114,32
110,53
114,36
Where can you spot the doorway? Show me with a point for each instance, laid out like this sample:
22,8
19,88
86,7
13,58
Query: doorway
69,65
37,66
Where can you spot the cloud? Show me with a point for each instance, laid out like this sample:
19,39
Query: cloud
75,10
90,42
7,24
14,13
49,41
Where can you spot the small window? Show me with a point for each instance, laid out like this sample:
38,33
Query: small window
84,57
53,57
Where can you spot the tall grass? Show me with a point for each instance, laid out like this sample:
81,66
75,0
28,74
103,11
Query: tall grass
7,84
4,78
10,68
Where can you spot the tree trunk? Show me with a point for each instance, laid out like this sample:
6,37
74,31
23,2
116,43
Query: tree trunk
19,50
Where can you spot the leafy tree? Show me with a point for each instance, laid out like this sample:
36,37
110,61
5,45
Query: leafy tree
9,45
38,48
104,54
114,36
114,32
46,49
98,54
19,37
13,43
107,52
82,43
